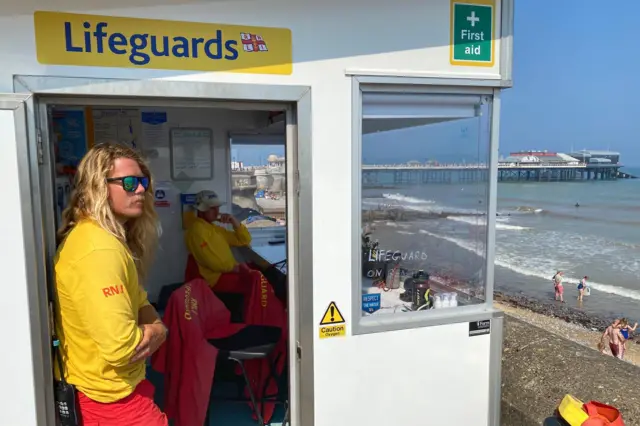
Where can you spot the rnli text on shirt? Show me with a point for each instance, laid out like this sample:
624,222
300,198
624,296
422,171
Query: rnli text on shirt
141,48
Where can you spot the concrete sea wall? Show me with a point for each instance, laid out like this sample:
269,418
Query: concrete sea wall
539,368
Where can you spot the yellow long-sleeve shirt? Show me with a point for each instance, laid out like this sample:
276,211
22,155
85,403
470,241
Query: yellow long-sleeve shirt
99,298
210,245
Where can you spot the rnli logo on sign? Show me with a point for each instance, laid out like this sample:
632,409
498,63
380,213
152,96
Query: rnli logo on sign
253,43
91,40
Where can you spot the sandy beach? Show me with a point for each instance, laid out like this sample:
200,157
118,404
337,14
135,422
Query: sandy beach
562,326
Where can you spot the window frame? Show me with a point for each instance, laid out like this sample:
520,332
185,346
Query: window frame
401,85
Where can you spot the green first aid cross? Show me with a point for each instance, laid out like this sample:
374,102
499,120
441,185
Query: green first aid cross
472,33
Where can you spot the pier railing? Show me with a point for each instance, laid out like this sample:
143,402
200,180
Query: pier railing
413,174
423,166
472,166
541,165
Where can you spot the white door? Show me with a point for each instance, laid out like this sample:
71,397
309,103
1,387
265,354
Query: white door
23,309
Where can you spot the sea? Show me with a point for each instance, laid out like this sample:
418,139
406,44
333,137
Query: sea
583,228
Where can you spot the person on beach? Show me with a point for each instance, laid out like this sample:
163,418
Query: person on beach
557,284
581,286
625,329
601,343
616,339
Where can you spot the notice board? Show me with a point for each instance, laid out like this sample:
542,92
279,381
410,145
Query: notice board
191,154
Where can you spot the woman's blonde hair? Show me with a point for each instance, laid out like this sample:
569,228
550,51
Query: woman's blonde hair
90,200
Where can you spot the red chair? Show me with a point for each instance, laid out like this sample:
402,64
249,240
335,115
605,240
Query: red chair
192,271
233,301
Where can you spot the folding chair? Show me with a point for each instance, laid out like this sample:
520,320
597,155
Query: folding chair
251,343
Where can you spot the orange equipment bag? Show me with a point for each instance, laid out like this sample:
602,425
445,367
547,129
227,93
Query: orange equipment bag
594,413
602,415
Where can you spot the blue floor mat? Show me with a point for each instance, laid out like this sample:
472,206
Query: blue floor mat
221,413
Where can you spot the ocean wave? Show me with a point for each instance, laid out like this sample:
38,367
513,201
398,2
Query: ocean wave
607,204
541,269
592,219
504,227
407,199
577,251
426,206
528,209
482,221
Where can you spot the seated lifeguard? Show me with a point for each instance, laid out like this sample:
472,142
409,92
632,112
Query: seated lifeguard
210,244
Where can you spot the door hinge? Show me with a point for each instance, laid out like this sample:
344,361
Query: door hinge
298,350
40,148
297,182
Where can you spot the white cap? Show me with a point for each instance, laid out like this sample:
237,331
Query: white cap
206,200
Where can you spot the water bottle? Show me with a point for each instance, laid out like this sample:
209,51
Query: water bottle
454,300
437,303
446,300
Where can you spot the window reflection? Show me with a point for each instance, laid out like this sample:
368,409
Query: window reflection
259,186
424,209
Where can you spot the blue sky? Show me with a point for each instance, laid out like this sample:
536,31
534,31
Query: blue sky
576,85
576,77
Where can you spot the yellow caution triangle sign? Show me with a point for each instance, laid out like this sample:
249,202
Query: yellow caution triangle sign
332,315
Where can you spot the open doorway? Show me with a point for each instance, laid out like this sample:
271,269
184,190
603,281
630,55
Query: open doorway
259,183
189,150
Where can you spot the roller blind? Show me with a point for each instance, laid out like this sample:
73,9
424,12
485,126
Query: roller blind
389,111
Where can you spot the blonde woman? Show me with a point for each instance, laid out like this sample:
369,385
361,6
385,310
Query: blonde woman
557,284
105,323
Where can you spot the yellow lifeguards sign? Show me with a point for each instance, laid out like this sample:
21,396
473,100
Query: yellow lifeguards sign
108,41
332,323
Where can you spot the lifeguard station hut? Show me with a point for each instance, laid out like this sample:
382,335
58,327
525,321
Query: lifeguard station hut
391,313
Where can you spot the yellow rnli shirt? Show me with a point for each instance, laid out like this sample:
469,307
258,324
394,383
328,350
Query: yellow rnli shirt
99,297
210,245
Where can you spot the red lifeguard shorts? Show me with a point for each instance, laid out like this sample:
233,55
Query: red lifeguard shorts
138,409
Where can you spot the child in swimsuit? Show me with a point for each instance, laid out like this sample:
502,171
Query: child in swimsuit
625,330
581,286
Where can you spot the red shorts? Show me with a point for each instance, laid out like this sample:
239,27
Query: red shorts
138,409
559,289
616,350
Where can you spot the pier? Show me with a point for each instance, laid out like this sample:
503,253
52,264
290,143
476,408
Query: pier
412,174
525,166
375,175
559,173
